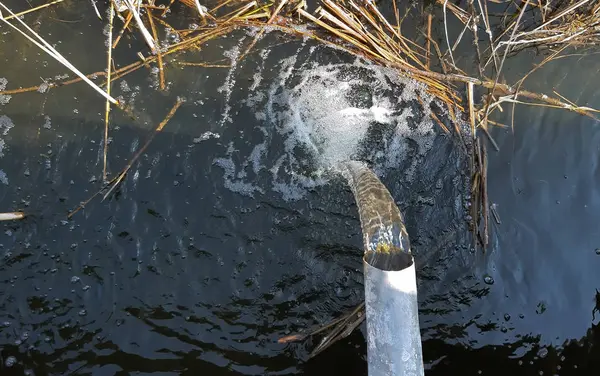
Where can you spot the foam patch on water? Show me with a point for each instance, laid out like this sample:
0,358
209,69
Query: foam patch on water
335,111
4,98
6,125
312,117
233,55
234,176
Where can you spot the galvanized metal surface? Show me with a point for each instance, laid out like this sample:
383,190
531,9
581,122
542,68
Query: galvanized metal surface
393,336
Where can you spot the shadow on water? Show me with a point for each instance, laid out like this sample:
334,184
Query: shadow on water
225,235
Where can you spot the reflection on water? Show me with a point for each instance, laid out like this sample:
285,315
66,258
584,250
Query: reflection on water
230,232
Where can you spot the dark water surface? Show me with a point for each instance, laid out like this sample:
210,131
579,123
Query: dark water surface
228,234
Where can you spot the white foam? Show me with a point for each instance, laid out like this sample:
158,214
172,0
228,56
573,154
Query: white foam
233,55
124,86
5,125
205,136
4,98
47,122
326,115
234,180
322,118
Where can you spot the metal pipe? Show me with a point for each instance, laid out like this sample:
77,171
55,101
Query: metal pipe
393,334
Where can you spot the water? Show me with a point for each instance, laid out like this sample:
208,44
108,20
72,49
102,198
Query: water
232,231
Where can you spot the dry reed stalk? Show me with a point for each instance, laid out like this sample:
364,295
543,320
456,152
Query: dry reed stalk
46,47
161,68
11,216
495,214
428,49
339,329
484,196
125,26
141,151
123,71
232,16
439,122
262,30
205,65
202,10
458,12
96,9
108,86
141,26
219,6
33,9
472,120
474,29
167,8
114,182
486,21
446,32
430,78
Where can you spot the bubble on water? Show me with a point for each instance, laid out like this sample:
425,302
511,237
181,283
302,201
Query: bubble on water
233,180
488,280
543,352
124,86
75,279
172,36
227,87
4,98
83,312
205,136
10,361
44,86
86,287
47,122
6,125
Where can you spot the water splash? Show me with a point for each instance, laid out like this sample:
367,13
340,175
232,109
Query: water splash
312,116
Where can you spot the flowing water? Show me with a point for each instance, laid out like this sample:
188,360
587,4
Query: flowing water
235,229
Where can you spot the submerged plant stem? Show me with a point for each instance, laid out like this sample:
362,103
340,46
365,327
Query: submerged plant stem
109,187
158,129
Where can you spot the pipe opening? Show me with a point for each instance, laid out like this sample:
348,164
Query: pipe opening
391,262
